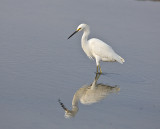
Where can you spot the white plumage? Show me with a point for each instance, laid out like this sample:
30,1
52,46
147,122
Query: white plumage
89,94
97,49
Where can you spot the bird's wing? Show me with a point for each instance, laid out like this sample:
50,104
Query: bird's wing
103,50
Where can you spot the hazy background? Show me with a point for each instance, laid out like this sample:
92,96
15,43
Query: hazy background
38,65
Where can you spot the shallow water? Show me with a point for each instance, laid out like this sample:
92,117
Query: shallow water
38,65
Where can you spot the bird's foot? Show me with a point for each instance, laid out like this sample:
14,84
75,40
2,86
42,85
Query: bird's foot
98,72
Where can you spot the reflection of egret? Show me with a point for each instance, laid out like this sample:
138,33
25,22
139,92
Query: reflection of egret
95,48
89,94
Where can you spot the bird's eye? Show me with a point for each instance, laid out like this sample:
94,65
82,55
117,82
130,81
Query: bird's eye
79,29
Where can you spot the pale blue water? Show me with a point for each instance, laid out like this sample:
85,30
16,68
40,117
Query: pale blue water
38,65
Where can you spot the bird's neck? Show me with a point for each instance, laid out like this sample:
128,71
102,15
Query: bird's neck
85,38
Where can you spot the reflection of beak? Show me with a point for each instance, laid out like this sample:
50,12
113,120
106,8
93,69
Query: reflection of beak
73,34
62,105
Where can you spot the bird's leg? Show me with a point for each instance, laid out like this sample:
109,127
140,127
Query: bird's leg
100,69
97,68
97,76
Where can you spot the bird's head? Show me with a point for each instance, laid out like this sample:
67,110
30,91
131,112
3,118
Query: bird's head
79,28
69,113
82,26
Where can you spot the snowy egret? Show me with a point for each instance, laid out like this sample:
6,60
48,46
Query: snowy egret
89,94
97,49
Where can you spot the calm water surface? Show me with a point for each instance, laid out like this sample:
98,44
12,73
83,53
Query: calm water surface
38,65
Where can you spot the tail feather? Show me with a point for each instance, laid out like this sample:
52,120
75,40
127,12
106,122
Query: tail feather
120,59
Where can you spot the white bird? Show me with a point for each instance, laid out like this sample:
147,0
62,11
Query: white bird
97,49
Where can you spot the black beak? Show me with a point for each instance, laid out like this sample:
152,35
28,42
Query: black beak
73,34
